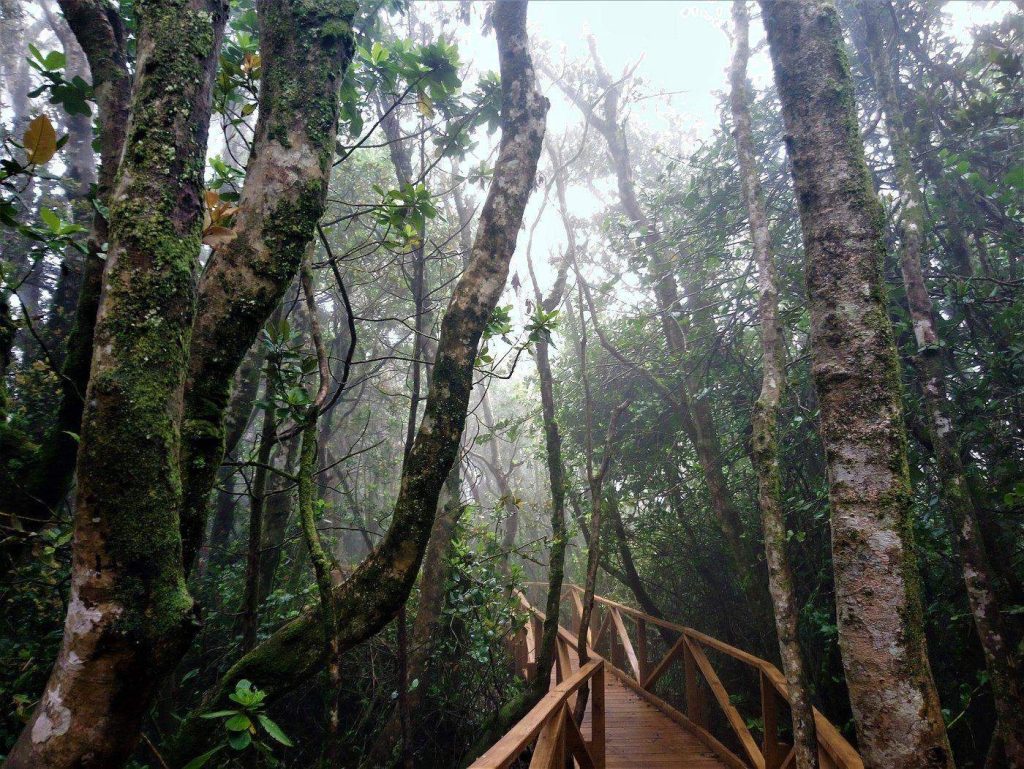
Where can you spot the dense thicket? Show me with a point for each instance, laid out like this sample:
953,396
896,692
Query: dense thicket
318,342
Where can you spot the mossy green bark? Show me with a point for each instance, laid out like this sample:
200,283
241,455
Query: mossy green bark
130,613
306,46
856,374
373,594
1000,659
33,485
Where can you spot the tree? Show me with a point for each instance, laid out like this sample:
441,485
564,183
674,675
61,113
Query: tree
856,374
1008,738
765,419
377,589
130,615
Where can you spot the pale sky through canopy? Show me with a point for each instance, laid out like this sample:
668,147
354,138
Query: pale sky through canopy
683,48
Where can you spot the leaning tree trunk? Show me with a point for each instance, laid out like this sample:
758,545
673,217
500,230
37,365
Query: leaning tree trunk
130,613
305,49
856,374
373,594
1007,747
765,420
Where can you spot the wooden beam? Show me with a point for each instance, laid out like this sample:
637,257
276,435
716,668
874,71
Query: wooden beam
731,714
574,742
627,645
771,749
549,752
506,750
662,666
641,650
597,718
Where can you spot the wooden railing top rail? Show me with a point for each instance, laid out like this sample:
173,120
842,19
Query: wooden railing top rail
829,736
506,750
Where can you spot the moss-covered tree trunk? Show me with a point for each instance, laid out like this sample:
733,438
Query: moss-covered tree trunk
130,614
765,438
305,46
1007,748
373,594
856,374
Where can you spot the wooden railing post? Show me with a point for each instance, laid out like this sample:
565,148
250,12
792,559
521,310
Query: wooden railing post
696,709
771,749
597,717
641,651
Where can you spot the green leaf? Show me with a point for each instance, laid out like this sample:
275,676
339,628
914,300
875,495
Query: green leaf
240,740
199,761
50,219
237,723
275,731
219,714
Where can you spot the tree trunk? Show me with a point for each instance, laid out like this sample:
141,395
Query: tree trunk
1008,738
277,512
425,628
373,594
305,51
249,616
765,439
856,374
693,413
130,614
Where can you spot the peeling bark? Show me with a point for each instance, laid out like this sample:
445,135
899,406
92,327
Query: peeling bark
856,374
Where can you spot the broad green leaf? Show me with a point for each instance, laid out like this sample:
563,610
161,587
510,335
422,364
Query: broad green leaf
50,219
240,740
238,723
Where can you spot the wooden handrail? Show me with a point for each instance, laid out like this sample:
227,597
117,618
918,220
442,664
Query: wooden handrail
550,724
835,751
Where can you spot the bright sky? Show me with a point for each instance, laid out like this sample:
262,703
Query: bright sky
684,49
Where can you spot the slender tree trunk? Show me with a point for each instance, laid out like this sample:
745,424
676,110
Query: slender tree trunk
130,614
765,439
1008,739
277,512
856,373
693,413
376,590
433,583
257,503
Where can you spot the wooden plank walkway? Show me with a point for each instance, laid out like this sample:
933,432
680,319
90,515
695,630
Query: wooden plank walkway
629,727
639,736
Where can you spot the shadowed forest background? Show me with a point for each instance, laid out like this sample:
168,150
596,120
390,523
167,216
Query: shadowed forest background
327,326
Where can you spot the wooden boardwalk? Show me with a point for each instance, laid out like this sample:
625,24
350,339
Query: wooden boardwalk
640,736
626,725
